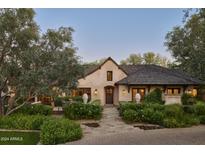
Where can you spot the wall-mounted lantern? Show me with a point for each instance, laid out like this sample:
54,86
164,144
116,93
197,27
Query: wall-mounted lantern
123,91
95,91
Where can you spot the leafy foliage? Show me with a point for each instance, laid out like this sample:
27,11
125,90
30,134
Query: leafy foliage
82,111
57,131
19,121
154,96
186,44
188,99
37,109
146,58
34,64
169,116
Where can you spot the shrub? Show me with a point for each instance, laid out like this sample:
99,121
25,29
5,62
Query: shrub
129,115
188,99
124,106
82,111
202,119
189,120
170,123
77,98
57,131
173,110
189,109
40,109
200,108
154,97
19,121
157,118
58,101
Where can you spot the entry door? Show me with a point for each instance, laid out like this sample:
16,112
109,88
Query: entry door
109,95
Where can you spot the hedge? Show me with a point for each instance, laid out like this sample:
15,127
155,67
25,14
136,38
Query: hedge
36,109
56,131
52,130
79,110
19,121
170,116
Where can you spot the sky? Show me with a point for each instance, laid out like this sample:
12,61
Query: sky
116,33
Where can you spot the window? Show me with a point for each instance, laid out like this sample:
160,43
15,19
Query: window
81,91
141,91
109,75
194,92
173,91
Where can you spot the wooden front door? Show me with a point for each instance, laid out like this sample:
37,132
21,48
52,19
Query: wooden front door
109,91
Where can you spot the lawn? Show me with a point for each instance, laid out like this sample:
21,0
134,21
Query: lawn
19,138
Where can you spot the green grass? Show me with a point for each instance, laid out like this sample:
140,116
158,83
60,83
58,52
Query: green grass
19,138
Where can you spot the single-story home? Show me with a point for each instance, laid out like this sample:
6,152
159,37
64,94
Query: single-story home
111,83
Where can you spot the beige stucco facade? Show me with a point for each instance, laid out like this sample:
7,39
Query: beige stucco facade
97,81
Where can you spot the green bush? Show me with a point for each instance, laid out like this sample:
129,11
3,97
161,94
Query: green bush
77,99
189,120
154,97
57,131
190,109
202,119
188,99
200,108
125,105
36,109
130,115
58,101
82,111
157,118
170,123
173,110
18,121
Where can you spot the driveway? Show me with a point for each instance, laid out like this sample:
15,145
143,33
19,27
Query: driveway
113,131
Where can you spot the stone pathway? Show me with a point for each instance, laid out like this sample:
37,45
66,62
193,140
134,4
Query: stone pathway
110,123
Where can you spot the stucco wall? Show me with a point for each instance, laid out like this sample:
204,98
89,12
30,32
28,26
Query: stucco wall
98,80
169,99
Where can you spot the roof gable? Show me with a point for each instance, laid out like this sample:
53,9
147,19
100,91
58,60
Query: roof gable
89,69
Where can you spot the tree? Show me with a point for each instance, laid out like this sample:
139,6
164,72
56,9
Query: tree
186,43
33,64
96,62
147,58
133,59
18,32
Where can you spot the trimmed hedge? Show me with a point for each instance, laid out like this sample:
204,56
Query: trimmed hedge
76,111
19,121
36,109
57,131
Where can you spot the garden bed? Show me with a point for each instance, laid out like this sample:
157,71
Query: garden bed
169,116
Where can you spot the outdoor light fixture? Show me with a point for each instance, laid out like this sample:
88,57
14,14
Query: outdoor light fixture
96,92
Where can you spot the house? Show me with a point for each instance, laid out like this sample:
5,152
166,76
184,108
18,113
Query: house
112,83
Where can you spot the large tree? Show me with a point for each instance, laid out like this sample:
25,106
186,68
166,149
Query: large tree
187,44
33,64
146,58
